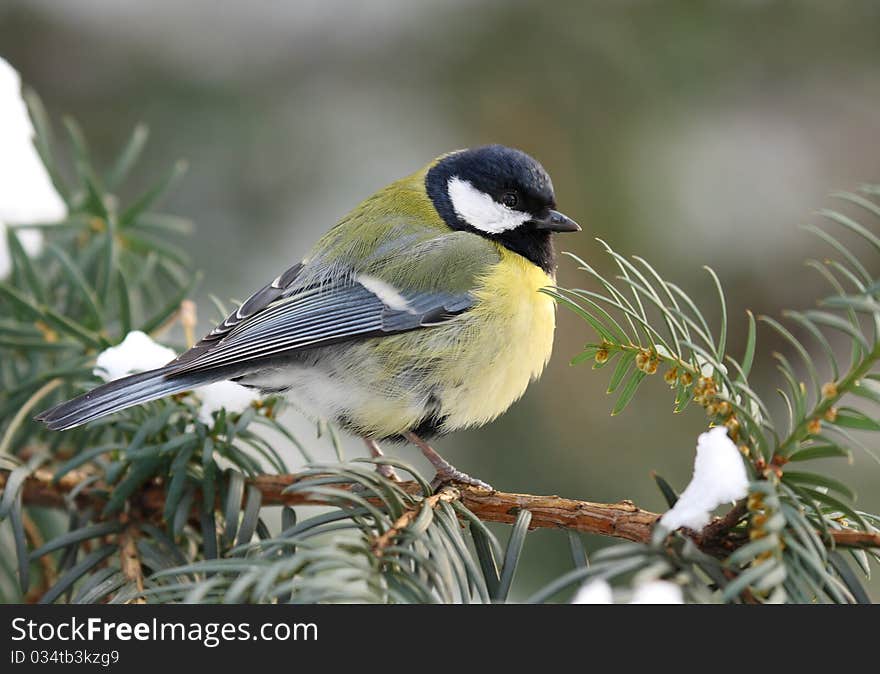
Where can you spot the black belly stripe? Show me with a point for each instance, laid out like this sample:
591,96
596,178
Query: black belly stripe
430,427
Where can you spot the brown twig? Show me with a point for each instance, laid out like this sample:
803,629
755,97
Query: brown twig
130,560
40,489
619,520
447,495
856,539
723,524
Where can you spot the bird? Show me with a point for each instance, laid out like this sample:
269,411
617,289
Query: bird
418,314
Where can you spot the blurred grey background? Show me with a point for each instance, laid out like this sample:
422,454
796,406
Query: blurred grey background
689,133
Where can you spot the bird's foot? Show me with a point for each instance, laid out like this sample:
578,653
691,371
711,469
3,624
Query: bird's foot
446,472
387,471
450,473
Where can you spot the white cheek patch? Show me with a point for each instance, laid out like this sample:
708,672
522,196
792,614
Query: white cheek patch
385,292
480,210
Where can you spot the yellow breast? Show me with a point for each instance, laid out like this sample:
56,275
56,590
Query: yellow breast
509,340
466,371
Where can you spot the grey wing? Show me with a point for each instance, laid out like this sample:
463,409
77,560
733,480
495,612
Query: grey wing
272,323
280,286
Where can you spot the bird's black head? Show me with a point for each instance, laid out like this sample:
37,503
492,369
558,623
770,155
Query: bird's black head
502,194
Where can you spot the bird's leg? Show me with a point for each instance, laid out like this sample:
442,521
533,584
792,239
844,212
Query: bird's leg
446,472
383,469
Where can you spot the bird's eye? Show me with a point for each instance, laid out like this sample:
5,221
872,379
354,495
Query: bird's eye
510,199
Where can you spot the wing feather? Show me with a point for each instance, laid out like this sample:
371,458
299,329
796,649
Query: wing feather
311,318
322,302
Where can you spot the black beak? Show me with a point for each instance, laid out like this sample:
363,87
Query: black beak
554,221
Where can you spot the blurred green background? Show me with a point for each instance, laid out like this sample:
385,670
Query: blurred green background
689,133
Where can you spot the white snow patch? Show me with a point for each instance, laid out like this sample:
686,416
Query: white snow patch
707,369
226,395
596,591
136,353
657,592
719,477
663,352
27,195
139,353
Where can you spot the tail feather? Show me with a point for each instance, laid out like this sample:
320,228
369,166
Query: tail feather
122,393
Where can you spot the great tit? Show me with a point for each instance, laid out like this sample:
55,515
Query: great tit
418,314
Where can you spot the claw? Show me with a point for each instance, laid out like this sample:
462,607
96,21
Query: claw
446,472
454,475
387,471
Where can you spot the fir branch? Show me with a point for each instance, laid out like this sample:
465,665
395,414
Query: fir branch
446,494
824,408
623,520
48,568
22,413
